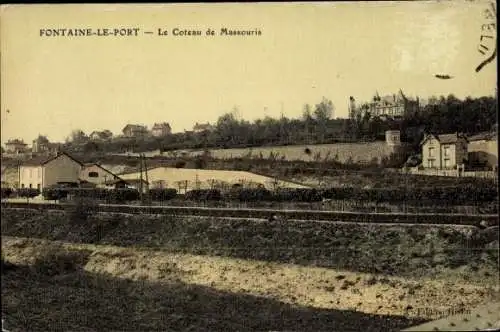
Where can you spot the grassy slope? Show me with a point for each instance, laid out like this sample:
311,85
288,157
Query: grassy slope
160,280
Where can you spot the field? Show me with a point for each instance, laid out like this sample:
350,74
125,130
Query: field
342,152
203,179
159,272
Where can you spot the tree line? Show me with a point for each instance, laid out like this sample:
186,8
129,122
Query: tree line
315,126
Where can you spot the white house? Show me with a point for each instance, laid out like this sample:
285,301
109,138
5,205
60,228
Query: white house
41,172
445,151
161,129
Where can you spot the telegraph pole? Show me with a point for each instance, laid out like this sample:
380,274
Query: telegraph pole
140,179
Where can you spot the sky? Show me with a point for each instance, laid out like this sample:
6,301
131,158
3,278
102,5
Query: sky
306,51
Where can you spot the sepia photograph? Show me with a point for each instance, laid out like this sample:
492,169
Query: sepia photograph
281,166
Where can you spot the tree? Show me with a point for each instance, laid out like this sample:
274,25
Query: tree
323,111
78,136
322,114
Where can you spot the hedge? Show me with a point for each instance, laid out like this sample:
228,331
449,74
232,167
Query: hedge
158,194
28,192
251,194
53,194
298,195
6,192
204,195
452,195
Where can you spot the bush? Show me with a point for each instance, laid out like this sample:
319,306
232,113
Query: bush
58,260
28,192
6,192
81,209
123,195
297,195
53,194
162,194
204,195
252,195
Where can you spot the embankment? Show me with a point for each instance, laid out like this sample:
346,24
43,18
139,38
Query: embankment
410,250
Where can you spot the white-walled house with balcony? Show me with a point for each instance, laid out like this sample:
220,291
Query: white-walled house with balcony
41,172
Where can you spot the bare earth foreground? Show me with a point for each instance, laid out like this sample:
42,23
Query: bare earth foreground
151,273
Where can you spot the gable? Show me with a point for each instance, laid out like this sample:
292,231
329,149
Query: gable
429,138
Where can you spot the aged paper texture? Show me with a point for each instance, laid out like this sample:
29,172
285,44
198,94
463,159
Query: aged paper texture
320,166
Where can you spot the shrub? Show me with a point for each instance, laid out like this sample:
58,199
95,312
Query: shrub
297,195
204,195
252,195
124,195
53,194
81,209
180,164
162,194
6,192
58,260
28,192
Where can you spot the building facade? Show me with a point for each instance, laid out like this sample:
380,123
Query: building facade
161,129
131,130
483,150
202,127
43,172
389,106
446,151
96,174
15,146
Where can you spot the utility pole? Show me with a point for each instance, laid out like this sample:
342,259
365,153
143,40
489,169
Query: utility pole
147,179
140,179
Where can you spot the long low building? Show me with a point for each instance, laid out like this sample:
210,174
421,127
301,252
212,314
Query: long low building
187,179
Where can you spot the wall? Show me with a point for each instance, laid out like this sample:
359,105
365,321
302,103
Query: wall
484,150
102,175
431,142
31,177
61,169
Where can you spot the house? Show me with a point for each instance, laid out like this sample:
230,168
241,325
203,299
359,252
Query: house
96,174
161,129
202,127
42,145
40,172
128,183
445,151
389,106
483,150
131,130
15,146
100,135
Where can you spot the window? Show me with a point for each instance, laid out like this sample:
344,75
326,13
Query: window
431,153
431,163
31,185
93,175
447,151
447,163
22,185
38,186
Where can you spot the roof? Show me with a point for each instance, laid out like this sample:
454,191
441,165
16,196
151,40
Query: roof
135,126
128,181
104,169
444,138
15,141
42,160
161,125
448,138
202,126
483,136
